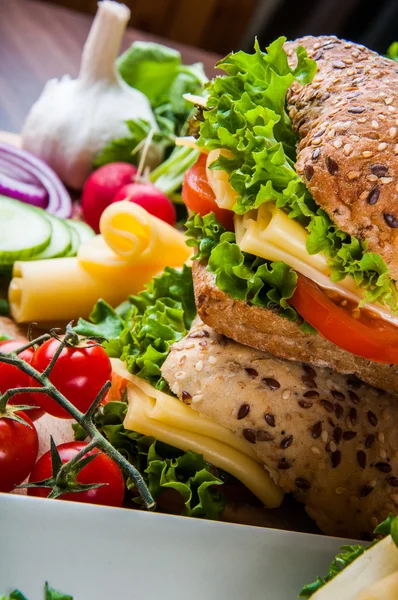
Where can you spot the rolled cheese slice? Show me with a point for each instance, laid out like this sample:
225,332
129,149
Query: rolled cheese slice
61,289
215,452
136,236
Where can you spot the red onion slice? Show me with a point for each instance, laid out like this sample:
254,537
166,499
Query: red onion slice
59,201
26,192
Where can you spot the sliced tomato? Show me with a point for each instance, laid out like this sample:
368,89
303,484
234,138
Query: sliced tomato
366,336
199,197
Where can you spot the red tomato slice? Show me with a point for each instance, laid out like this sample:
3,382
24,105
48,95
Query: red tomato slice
366,336
199,197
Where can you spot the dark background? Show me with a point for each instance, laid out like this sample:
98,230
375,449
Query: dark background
224,25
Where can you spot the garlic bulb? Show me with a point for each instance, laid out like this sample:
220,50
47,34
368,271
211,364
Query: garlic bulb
74,119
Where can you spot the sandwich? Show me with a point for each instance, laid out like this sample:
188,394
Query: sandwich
272,362
295,222
299,165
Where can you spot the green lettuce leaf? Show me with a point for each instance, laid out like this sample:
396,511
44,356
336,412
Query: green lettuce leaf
241,275
162,466
141,331
246,114
349,553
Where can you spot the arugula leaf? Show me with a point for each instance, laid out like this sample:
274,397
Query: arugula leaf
246,115
142,331
162,466
15,595
392,51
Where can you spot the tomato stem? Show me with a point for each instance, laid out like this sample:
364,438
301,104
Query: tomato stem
85,420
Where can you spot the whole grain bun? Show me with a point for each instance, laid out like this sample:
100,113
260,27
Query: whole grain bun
347,121
266,330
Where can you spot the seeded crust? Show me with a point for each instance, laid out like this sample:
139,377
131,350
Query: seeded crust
328,439
347,121
266,330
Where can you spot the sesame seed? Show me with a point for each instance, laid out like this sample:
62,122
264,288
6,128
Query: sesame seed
383,454
329,384
324,436
315,450
367,153
316,141
372,178
180,375
332,446
189,346
175,388
355,138
338,64
380,437
396,149
353,175
373,483
392,108
392,132
337,143
388,100
382,146
212,360
386,180
199,365
347,149
385,415
197,398
340,490
363,196
362,120
375,124
286,394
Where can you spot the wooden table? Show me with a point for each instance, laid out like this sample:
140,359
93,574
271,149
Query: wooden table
39,41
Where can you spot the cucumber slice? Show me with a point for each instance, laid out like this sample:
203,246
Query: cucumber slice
24,231
75,240
61,239
83,230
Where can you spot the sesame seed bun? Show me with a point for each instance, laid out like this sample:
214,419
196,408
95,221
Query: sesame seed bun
347,122
266,330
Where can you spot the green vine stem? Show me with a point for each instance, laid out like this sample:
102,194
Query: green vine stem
85,420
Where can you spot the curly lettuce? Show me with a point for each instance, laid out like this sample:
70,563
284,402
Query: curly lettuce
246,115
194,481
141,330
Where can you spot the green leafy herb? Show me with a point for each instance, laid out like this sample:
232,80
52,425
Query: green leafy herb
349,553
4,307
392,51
162,466
241,275
168,176
50,594
142,332
247,116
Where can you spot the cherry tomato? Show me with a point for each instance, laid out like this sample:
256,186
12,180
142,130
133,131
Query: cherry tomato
199,197
101,470
79,373
12,377
18,451
366,336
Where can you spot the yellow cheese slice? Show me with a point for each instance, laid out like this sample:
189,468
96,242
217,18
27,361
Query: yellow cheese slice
138,237
169,410
385,589
270,234
215,452
60,289
219,180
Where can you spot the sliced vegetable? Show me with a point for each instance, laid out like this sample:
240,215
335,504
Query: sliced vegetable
101,187
169,175
84,231
24,231
38,183
357,332
60,243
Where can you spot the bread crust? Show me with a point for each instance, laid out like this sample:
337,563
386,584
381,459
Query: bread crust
266,330
347,122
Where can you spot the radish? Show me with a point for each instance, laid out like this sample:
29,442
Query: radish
100,189
149,197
